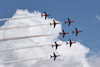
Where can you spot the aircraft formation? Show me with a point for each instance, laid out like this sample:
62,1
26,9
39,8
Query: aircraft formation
63,33
70,42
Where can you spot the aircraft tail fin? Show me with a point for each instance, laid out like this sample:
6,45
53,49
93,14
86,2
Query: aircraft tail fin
66,43
59,33
41,15
72,31
50,24
65,22
52,46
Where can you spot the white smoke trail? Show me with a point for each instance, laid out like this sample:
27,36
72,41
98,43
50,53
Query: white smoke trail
22,27
9,62
25,37
4,50
16,18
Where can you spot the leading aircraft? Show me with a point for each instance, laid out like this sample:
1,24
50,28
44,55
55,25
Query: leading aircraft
63,33
45,14
54,55
70,42
76,31
69,22
54,23
56,45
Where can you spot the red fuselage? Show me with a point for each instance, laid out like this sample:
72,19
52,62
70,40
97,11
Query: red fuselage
77,31
72,42
65,33
47,15
70,21
55,56
55,23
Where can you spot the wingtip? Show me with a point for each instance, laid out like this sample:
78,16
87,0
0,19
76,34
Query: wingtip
68,18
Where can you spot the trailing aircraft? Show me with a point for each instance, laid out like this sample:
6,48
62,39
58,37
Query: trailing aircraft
63,33
69,22
54,23
70,42
45,14
54,55
56,45
76,31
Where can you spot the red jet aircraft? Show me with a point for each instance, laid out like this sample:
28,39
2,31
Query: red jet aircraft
54,56
63,33
76,31
56,45
69,22
70,42
54,23
45,14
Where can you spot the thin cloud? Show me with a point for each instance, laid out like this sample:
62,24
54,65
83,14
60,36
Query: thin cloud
98,17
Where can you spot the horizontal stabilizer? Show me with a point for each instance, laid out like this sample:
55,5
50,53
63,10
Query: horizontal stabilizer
41,15
65,22
52,46
72,31
50,24
50,56
59,33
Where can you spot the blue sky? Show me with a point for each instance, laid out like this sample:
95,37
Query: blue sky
83,12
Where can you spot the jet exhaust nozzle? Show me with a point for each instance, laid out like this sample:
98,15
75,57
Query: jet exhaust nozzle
59,33
50,24
41,15
52,46
65,22
50,56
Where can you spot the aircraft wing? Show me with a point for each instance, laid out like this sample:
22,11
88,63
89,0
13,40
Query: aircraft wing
45,17
63,31
55,43
68,19
70,45
54,21
63,35
45,13
54,25
54,58
69,40
56,47
76,34
76,29
69,24
54,54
